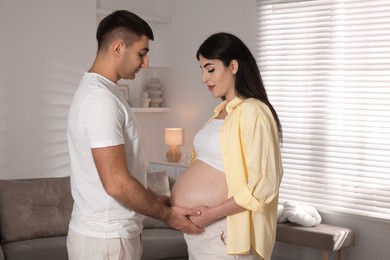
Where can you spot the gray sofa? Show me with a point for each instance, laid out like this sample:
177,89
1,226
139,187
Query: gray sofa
34,217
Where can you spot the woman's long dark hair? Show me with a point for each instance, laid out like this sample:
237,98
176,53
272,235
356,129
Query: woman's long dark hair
227,47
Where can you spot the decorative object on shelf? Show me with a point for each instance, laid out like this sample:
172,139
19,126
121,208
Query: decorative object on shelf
173,138
145,100
124,89
154,89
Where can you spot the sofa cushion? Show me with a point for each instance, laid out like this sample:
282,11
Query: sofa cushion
159,183
34,208
37,249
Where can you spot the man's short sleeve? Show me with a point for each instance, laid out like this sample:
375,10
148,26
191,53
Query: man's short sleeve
103,119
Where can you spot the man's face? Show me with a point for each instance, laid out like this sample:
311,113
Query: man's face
134,58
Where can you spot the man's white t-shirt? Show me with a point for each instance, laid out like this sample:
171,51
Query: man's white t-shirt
100,117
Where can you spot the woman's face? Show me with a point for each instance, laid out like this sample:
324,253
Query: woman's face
219,79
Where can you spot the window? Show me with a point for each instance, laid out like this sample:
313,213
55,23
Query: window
326,67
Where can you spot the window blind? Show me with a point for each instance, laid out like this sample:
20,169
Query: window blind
326,68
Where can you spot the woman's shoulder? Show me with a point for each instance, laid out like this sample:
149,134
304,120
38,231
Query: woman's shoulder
252,110
254,105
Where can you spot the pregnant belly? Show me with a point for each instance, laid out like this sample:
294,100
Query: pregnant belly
200,185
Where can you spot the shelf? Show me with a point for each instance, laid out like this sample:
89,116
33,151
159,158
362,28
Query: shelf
150,109
148,18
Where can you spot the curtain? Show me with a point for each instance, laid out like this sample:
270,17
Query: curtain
326,67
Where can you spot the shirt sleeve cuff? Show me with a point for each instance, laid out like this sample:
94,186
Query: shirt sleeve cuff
245,199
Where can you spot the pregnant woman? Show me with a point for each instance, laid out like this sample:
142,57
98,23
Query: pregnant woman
236,168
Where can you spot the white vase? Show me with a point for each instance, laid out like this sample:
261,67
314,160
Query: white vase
145,100
154,84
155,102
154,89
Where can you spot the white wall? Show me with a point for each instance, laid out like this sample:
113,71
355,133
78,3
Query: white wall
46,45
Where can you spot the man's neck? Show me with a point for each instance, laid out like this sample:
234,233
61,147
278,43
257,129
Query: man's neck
104,68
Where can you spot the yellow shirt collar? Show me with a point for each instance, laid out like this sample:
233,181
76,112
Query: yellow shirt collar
229,106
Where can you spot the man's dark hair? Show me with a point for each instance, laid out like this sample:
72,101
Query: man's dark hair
124,25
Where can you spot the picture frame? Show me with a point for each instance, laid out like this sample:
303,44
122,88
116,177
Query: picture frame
124,89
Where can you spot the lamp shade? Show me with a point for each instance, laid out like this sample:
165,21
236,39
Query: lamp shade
173,136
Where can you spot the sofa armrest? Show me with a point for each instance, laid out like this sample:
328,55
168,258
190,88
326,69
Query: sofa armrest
2,257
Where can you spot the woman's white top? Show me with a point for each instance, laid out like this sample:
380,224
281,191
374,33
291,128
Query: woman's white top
207,144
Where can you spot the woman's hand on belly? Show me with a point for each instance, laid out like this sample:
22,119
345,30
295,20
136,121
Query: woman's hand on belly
207,216
211,214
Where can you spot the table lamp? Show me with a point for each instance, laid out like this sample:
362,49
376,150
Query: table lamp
173,138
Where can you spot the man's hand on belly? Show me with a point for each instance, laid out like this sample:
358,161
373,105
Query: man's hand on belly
211,214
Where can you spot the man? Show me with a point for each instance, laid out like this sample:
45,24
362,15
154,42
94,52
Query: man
108,174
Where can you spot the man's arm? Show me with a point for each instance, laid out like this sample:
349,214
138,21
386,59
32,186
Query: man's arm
119,184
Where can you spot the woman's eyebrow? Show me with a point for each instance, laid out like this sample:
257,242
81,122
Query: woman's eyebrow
207,64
